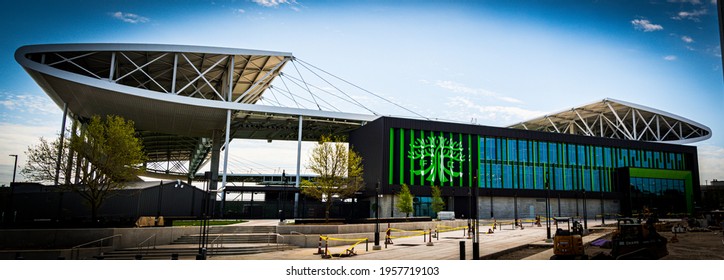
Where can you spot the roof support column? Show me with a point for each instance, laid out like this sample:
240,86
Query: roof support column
230,77
215,152
299,159
226,161
60,146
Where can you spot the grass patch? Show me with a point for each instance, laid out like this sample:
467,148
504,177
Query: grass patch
186,223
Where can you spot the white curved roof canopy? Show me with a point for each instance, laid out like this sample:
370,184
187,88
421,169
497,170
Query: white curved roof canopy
622,120
176,95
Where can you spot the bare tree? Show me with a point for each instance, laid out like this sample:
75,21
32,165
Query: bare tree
106,155
340,173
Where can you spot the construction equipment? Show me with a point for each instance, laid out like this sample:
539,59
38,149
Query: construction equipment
568,243
636,241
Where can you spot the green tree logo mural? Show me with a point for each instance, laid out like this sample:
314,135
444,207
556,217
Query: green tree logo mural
437,156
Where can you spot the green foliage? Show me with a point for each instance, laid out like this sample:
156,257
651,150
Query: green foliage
404,201
105,156
340,172
437,203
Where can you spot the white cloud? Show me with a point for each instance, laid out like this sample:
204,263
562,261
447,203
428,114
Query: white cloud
693,2
464,109
692,15
711,162
460,88
272,3
687,39
28,103
240,11
130,18
670,57
645,25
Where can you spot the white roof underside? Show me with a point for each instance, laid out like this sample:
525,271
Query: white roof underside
176,95
618,119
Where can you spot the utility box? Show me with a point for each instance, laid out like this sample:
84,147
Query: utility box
446,215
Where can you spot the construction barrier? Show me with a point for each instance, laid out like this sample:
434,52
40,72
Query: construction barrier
348,252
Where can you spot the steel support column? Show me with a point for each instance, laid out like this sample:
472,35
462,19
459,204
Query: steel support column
299,159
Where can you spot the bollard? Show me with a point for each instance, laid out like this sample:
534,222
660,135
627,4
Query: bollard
174,256
326,250
462,249
429,243
367,244
319,247
437,234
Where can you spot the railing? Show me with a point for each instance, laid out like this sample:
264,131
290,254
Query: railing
75,250
145,248
299,233
268,239
214,245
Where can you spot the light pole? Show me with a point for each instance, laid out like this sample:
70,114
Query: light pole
548,203
15,167
377,218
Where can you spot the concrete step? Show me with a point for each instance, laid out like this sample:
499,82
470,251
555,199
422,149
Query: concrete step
188,252
242,229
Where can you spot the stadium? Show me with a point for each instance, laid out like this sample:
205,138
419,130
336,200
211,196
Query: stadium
602,159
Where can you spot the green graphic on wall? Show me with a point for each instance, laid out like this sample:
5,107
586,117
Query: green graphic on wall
431,158
437,156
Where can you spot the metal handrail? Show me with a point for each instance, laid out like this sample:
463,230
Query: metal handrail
213,245
144,251
268,239
302,234
75,250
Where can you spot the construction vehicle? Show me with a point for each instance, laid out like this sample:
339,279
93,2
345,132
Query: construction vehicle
568,243
636,241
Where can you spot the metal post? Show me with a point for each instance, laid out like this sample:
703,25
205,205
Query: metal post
476,239
559,204
299,159
377,218
15,166
603,213
462,249
226,161
548,194
585,211
60,146
515,208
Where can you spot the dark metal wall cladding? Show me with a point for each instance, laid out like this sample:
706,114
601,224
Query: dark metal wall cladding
371,141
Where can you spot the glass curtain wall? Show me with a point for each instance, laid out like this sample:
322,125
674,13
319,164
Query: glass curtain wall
507,163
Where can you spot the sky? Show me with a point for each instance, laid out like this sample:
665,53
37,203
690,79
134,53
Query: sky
488,62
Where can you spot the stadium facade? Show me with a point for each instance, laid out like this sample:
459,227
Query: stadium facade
605,158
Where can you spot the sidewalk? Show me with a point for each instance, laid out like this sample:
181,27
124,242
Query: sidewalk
446,247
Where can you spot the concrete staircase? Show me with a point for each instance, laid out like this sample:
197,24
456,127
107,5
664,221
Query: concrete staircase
223,240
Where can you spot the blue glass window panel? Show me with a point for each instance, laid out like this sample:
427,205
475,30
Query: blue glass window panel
512,150
598,153
572,154
581,155
508,176
489,148
552,153
538,178
523,150
568,181
543,152
528,184
558,179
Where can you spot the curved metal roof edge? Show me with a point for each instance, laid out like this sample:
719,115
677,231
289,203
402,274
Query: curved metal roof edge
637,106
143,47
223,105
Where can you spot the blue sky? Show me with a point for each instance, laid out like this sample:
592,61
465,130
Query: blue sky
492,62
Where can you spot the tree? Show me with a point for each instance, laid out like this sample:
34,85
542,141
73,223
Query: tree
404,201
105,156
437,203
340,173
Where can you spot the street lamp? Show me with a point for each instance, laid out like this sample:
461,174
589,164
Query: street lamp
15,166
377,218
548,197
